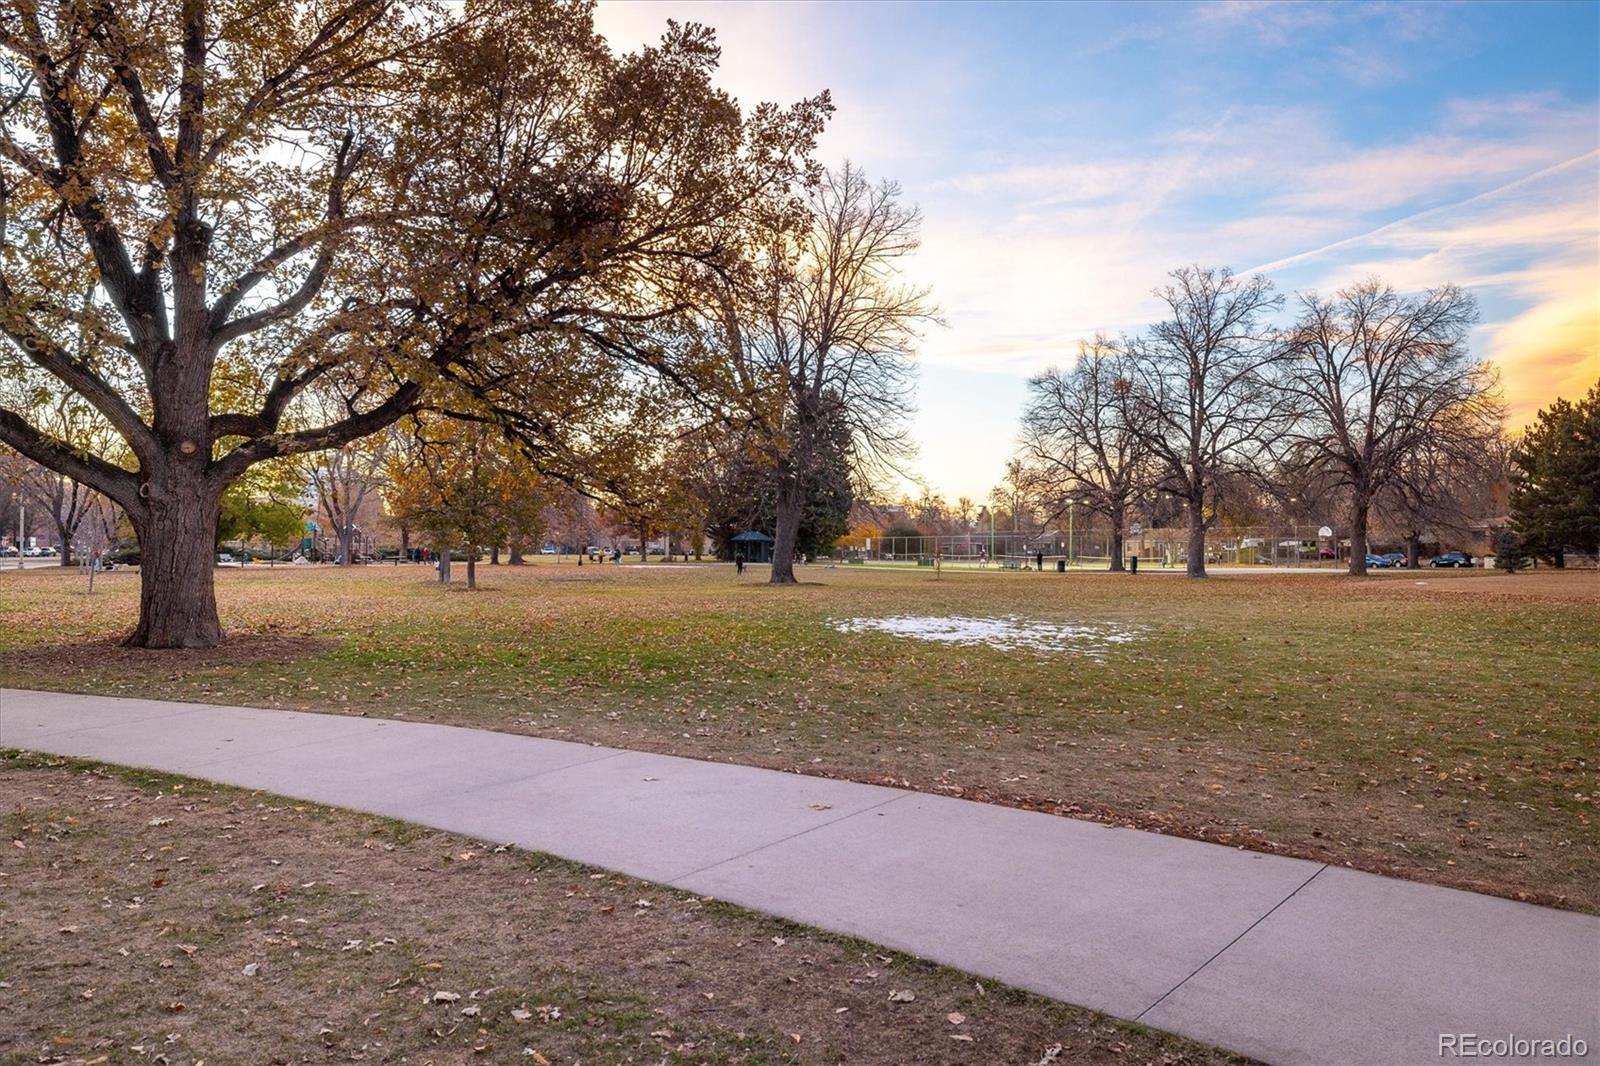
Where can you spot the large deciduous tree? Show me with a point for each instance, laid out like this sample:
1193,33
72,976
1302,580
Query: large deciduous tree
1204,392
410,202
344,480
1377,380
1081,439
825,333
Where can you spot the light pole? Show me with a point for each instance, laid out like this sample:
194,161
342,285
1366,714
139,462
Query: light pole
1295,525
1072,507
22,510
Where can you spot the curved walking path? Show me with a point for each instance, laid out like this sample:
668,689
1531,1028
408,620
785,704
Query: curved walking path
1283,959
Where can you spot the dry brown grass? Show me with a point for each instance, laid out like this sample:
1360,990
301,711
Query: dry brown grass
1441,726
132,906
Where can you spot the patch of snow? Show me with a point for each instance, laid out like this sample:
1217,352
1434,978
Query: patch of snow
1009,633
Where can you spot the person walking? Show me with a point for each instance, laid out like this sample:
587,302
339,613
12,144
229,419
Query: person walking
738,564
1038,558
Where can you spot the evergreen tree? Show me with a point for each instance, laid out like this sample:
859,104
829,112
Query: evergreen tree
1508,553
1555,488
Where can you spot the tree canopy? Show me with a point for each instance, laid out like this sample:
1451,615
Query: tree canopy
1555,486
482,211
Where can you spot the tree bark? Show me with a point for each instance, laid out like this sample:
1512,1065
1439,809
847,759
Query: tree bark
787,533
1413,553
66,540
472,567
444,567
346,536
1116,542
1195,565
494,555
177,530
1358,536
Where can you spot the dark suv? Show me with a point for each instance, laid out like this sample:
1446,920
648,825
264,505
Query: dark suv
1456,559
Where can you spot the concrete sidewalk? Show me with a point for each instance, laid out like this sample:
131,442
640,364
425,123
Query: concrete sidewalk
1282,959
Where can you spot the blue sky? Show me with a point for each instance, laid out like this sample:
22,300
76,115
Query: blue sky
1066,156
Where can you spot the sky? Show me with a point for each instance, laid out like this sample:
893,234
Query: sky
1066,157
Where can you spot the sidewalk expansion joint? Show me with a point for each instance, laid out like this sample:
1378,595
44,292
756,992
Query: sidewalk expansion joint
674,882
1229,944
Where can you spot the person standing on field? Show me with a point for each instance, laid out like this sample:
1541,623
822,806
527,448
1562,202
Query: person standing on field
738,564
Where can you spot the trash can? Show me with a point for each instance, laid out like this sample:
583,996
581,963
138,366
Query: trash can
1061,566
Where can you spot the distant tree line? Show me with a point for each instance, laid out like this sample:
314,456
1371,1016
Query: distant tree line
1367,401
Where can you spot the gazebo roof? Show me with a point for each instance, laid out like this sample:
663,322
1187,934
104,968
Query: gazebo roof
751,535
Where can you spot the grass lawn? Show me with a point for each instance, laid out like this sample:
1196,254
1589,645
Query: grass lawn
153,919
1438,725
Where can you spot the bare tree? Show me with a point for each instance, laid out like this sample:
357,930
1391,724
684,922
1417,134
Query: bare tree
1080,439
344,480
1382,386
826,335
1204,394
1441,489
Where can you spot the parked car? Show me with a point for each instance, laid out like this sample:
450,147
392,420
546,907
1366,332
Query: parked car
1452,559
1378,562
1396,558
224,557
549,549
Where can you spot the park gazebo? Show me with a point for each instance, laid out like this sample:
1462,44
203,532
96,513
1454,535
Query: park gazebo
756,546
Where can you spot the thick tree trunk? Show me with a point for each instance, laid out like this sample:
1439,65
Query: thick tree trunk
1116,544
66,541
472,567
1358,538
177,545
1413,553
787,533
444,567
494,555
347,538
1195,566
514,554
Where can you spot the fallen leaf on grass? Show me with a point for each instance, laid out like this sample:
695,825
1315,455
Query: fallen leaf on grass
955,1017
251,969
902,995
446,997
